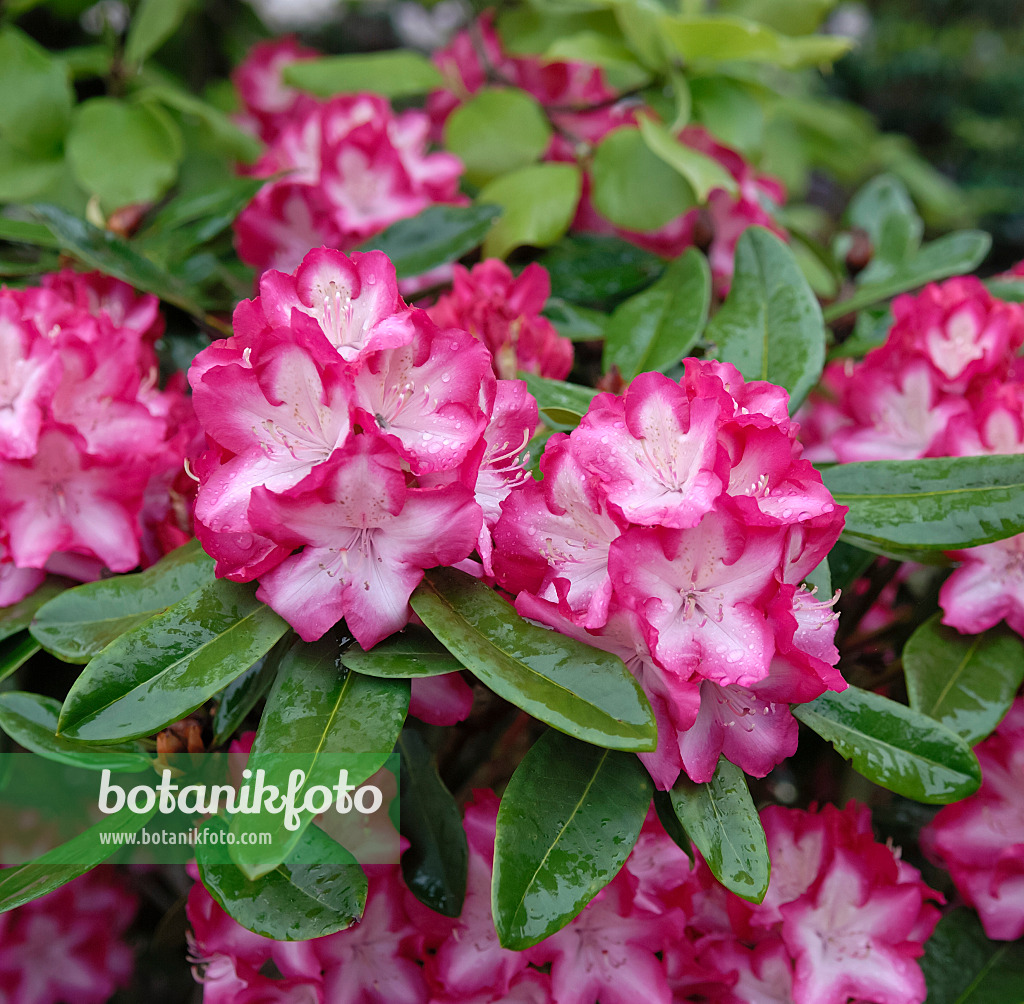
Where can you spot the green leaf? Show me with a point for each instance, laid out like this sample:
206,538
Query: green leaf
961,965
577,689
846,564
593,268
568,819
395,74
36,109
579,324
897,748
720,818
411,653
123,153
770,327
15,652
436,236
153,23
242,694
966,682
670,823
102,250
560,403
80,622
31,721
435,865
496,131
320,890
24,883
19,615
320,718
633,187
24,232
936,504
953,254
655,329
170,664
725,39
538,204
25,176
702,173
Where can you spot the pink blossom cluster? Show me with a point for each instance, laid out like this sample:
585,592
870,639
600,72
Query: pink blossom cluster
844,917
338,171
505,314
946,382
980,840
584,110
69,944
91,449
352,443
675,527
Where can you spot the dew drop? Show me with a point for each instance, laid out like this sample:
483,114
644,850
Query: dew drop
446,378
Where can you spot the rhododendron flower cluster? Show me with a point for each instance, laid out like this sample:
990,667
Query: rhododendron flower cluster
68,945
91,449
947,382
844,917
584,109
340,170
981,839
675,527
352,444
504,313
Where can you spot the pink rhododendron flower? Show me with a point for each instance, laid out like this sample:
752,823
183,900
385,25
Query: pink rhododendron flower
269,103
504,313
352,444
674,527
91,449
68,945
340,171
980,840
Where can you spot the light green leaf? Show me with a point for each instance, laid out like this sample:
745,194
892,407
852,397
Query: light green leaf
395,74
702,173
770,326
170,664
36,109
560,403
635,188
538,203
966,682
80,622
577,689
568,819
720,818
655,329
152,24
496,131
895,747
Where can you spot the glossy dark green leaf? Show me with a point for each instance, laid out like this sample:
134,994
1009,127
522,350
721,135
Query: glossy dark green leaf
577,689
16,651
670,823
578,324
19,615
720,818
936,504
24,883
560,403
961,965
894,746
967,682
655,329
320,890
568,819
242,694
593,268
398,73
80,622
170,664
436,236
633,187
434,866
320,718
538,203
104,251
770,326
410,653
152,24
847,563
31,721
